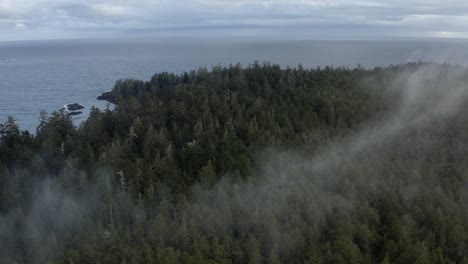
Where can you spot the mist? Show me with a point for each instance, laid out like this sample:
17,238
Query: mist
427,96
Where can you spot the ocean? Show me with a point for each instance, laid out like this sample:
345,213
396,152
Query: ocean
46,75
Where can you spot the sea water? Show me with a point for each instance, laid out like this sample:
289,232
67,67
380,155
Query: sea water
46,75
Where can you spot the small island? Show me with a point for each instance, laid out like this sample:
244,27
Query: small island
72,109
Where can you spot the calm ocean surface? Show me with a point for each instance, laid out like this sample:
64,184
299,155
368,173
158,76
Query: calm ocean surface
45,75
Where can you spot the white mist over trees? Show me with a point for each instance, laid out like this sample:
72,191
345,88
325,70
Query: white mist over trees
248,165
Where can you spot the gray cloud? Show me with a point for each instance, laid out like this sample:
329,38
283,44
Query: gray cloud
20,19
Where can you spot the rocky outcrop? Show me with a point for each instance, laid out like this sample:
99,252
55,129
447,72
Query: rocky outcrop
74,113
74,107
108,96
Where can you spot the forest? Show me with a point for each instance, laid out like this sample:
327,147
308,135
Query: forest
247,164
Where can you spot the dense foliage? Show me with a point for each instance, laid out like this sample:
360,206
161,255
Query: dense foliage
247,165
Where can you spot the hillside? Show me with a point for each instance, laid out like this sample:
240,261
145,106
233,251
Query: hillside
256,164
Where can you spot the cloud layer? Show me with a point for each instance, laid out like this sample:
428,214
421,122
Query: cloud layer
38,19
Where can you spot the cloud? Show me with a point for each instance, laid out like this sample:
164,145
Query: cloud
20,26
397,18
110,10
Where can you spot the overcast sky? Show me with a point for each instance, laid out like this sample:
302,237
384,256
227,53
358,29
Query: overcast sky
50,19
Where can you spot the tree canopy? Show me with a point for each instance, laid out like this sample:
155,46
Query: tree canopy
256,164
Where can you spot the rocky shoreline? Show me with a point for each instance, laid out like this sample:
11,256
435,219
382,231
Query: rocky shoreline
108,96
72,109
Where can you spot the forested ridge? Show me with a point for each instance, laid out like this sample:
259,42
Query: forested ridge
255,164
